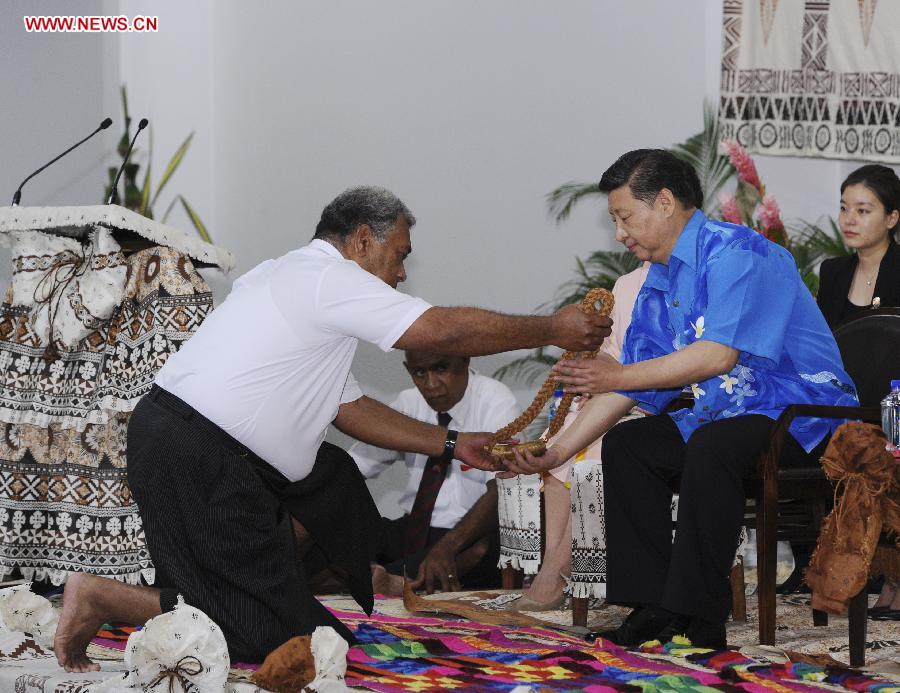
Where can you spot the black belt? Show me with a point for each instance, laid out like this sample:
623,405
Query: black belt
178,406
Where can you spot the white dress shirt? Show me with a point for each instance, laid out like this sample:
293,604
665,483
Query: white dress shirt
486,405
271,365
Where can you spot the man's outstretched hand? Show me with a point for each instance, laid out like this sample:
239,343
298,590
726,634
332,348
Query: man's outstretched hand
575,330
471,449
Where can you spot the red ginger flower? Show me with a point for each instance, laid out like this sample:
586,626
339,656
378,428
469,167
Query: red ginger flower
744,165
770,215
728,206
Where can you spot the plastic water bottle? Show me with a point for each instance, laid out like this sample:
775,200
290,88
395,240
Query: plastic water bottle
554,404
890,418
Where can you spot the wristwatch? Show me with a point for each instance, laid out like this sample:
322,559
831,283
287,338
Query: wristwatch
450,444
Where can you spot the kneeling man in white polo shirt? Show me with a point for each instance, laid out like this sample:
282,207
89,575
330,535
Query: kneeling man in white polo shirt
226,455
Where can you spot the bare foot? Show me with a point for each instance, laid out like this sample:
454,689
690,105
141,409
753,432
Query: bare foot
889,597
386,583
79,622
546,588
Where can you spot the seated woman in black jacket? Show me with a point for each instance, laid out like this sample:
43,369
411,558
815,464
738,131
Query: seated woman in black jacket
870,277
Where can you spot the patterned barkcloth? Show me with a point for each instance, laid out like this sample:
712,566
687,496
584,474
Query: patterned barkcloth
65,505
812,78
400,652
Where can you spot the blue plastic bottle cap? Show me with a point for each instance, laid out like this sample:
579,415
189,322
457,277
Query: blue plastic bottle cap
895,384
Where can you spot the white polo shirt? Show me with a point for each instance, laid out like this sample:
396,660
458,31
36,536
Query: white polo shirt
487,405
271,365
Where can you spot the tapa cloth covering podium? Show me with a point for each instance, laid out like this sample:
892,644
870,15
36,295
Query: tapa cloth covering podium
65,505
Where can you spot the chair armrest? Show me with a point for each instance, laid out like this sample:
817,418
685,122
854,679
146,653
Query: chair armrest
768,462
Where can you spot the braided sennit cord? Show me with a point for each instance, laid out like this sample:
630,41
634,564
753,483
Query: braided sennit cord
606,300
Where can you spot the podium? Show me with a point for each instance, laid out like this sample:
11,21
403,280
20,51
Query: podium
100,298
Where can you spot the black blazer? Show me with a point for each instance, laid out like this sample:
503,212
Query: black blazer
836,274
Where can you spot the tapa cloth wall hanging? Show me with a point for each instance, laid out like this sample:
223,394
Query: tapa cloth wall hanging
809,78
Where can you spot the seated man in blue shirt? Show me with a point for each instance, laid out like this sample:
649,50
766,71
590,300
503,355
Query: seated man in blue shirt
724,311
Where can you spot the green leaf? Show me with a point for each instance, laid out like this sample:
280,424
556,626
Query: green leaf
173,164
168,210
747,198
195,220
600,269
811,279
125,103
145,195
125,140
829,242
561,202
702,151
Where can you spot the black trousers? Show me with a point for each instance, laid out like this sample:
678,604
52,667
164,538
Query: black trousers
217,520
484,575
641,460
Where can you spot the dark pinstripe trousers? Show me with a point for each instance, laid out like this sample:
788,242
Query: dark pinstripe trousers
218,535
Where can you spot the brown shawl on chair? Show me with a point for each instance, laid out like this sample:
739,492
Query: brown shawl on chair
867,500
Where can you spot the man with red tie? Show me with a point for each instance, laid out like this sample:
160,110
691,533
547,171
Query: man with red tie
447,535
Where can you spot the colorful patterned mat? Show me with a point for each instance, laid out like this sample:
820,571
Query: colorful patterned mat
408,653
401,654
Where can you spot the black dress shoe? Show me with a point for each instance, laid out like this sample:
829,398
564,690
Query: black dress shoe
711,634
677,626
639,626
699,631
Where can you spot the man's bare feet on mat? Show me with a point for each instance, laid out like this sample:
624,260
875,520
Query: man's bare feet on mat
90,601
79,622
386,583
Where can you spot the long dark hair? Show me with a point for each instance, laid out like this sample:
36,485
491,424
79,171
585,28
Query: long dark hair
882,181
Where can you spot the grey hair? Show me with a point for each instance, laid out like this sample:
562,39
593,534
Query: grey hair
366,204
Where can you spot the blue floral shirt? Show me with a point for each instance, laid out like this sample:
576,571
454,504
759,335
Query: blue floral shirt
727,284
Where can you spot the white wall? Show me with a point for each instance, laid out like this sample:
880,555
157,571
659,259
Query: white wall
56,89
470,110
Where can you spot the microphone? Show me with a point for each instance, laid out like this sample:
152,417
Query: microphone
18,194
113,193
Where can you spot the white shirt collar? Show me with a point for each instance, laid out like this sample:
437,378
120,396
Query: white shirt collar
460,411
326,247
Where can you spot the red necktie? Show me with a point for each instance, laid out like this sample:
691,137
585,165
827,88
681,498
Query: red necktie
432,479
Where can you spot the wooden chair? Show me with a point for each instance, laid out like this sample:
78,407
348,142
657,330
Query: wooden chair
869,346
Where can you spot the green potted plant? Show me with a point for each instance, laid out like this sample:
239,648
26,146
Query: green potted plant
143,198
